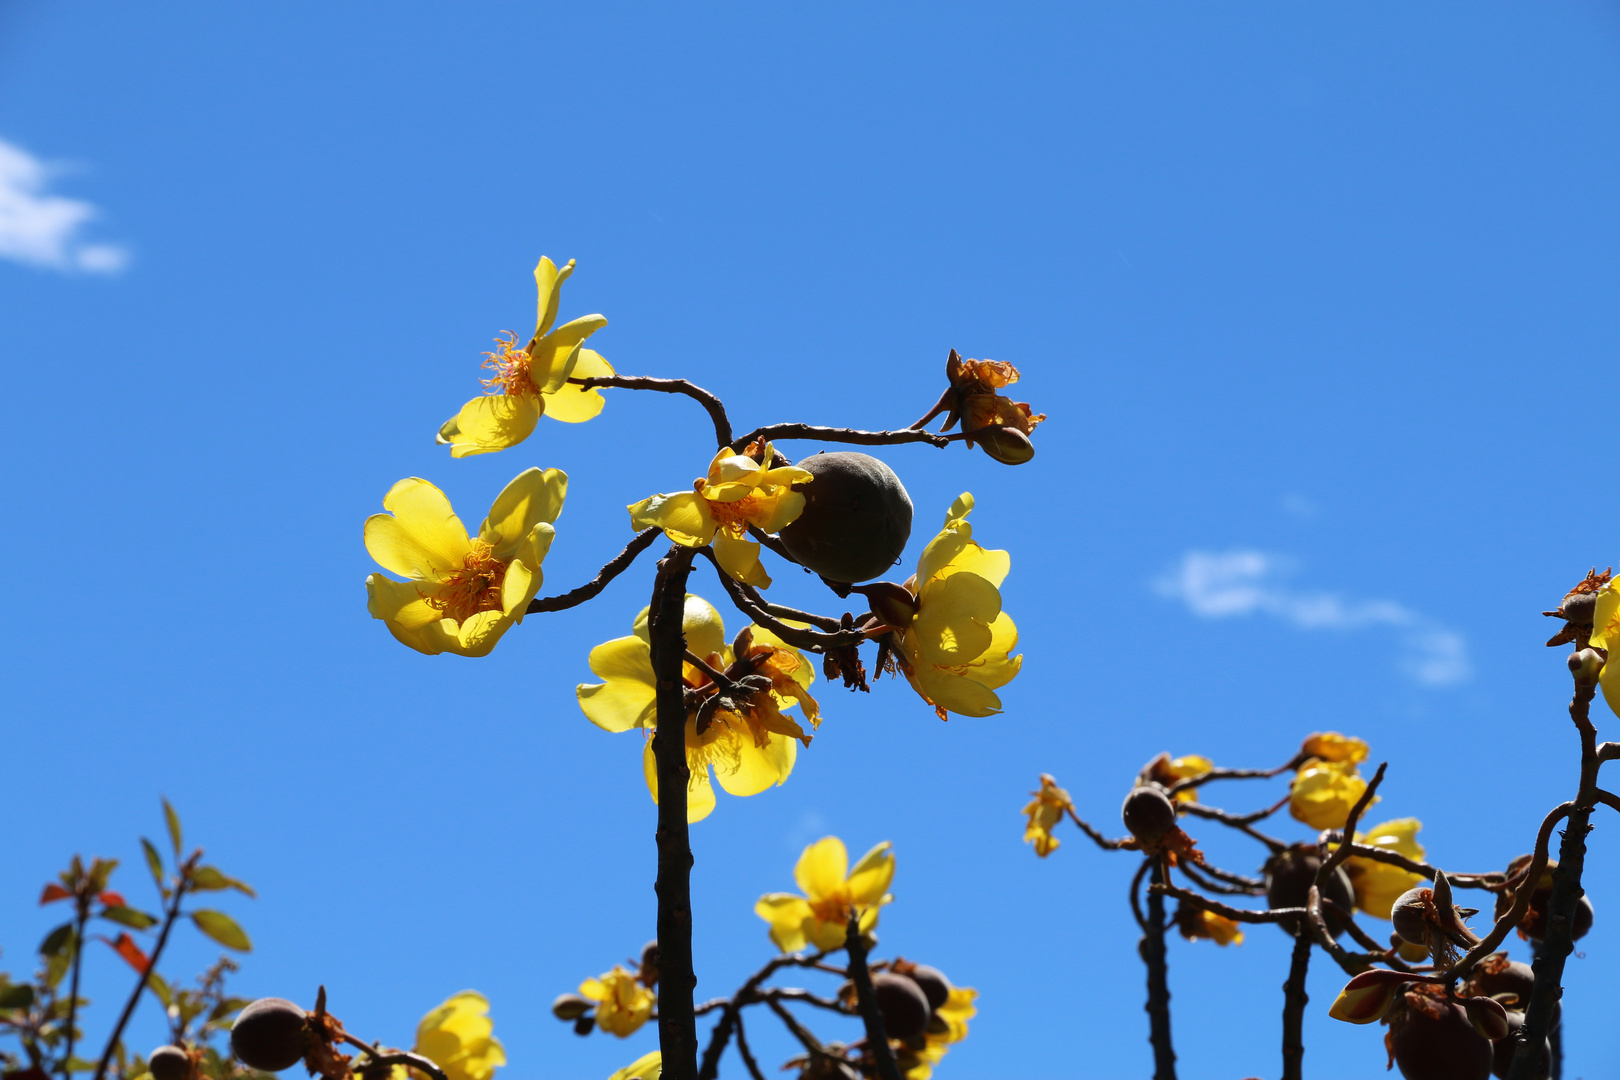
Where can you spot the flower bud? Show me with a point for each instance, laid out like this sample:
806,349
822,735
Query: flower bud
270,1035
903,1005
891,603
935,986
570,1007
1487,1016
856,517
1585,665
649,965
1148,812
1431,1038
169,1063
584,1025
1579,607
1005,444
1410,915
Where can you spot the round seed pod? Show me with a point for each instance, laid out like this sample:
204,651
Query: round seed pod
1409,914
1289,876
1496,974
903,1005
1580,608
649,964
856,518
1502,1051
270,1035
169,1063
1148,813
1534,923
1435,1041
935,986
570,1007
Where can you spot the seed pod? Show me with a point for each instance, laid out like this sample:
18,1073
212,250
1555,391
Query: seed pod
1431,1039
649,965
1005,444
1534,923
903,1006
269,1035
1289,876
1579,608
1503,1049
1410,915
169,1063
935,986
856,517
1148,813
1496,974
570,1007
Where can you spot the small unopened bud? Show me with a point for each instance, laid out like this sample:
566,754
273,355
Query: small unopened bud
1148,813
891,603
1487,1016
649,965
570,1007
584,1025
1007,445
1410,915
1579,608
1585,665
169,1063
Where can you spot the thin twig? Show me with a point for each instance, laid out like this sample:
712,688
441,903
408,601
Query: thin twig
1158,985
1135,894
182,879
616,566
81,915
715,408
745,1053
788,993
1216,814
1342,852
1521,901
1096,837
396,1057
1194,872
877,1041
745,995
1237,914
1294,1002
809,640
1230,878
1608,798
806,1039
776,432
1235,774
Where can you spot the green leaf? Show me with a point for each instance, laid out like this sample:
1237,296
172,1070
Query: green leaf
16,997
174,826
209,879
128,916
154,863
223,929
78,1064
156,984
57,942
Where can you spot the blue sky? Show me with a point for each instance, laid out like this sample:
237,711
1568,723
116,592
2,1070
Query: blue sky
1319,301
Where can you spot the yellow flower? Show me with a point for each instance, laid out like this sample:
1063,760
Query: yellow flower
737,492
458,1037
1331,746
1194,922
1378,885
1606,636
958,647
1323,792
1165,771
532,381
749,742
947,1026
820,917
649,1067
1045,811
622,1003
463,591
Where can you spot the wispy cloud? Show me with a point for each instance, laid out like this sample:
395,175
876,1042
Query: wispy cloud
40,229
1218,585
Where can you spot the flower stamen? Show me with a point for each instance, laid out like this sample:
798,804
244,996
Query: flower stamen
475,587
510,362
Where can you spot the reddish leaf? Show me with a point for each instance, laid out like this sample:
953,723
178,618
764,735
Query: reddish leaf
125,946
112,899
52,894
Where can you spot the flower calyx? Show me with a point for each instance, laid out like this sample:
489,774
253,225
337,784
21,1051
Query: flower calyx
1150,817
1427,917
999,425
1578,608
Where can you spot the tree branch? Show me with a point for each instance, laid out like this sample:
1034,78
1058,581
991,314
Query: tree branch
877,1041
776,432
1294,1002
716,410
1235,774
182,879
747,602
1232,821
616,566
1096,837
1158,986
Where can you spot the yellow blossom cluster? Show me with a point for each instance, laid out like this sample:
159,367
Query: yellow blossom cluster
1328,783
458,1036
623,1004
832,892
1045,811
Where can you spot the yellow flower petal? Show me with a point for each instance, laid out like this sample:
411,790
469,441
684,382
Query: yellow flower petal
574,404
548,281
684,517
957,694
779,510
626,697
479,633
532,497
953,619
1609,679
399,602
699,792
701,623
787,915
422,538
755,767
553,358
740,559
491,422
647,1067
870,880
822,868
1606,618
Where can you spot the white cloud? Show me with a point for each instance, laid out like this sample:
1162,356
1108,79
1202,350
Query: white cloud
41,229
1217,585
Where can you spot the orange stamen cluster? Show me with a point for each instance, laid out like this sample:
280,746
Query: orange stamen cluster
510,362
734,517
474,588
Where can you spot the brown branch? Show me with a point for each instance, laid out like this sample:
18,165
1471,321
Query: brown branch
747,994
1342,852
616,566
1096,837
1236,914
877,1041
1608,798
1194,873
1235,774
81,915
1215,814
1230,878
395,1057
1394,858
716,410
774,432
1135,894
807,1040
1294,1002
182,879
810,640
788,993
677,1020
746,1054
1158,984
1352,963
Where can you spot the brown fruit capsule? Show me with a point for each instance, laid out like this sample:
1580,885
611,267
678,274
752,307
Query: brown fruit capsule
1502,1051
169,1063
1148,813
856,518
1409,915
1496,974
935,986
270,1035
903,1005
1431,1039
1289,876
1534,924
